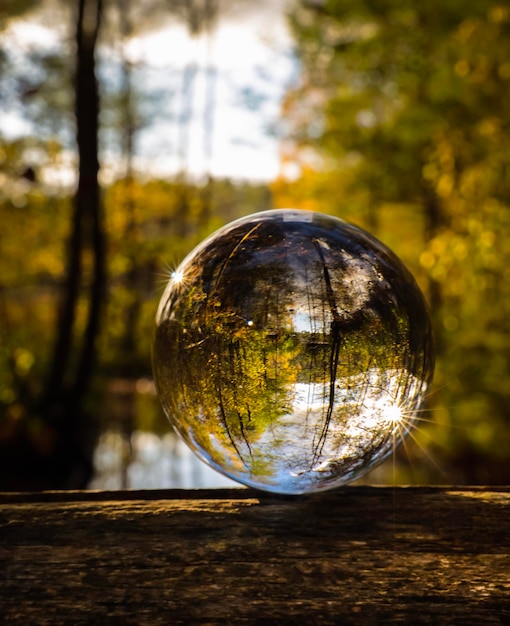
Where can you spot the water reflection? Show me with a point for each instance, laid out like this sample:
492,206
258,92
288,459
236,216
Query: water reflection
149,461
136,450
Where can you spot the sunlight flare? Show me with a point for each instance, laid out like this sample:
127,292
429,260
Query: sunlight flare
177,276
392,414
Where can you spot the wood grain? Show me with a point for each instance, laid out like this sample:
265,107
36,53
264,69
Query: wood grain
359,555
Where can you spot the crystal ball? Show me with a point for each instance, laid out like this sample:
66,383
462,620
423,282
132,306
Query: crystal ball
292,351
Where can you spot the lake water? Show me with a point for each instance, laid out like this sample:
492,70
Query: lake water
137,449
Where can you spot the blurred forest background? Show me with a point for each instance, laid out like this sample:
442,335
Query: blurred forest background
394,115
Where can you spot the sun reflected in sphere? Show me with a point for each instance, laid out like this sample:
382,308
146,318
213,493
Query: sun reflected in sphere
292,350
177,276
392,413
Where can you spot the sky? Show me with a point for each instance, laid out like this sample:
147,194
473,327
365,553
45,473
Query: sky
245,66
235,81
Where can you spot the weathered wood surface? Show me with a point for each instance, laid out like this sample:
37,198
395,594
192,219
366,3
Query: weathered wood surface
354,556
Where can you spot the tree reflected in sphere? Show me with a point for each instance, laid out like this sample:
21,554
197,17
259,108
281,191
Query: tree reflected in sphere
292,351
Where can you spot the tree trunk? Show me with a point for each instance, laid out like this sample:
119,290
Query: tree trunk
88,198
132,279
73,361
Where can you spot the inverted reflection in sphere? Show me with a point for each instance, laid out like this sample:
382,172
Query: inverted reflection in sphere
292,350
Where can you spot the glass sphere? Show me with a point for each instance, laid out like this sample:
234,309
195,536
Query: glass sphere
292,351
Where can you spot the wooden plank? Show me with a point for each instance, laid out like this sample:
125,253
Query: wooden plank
359,555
